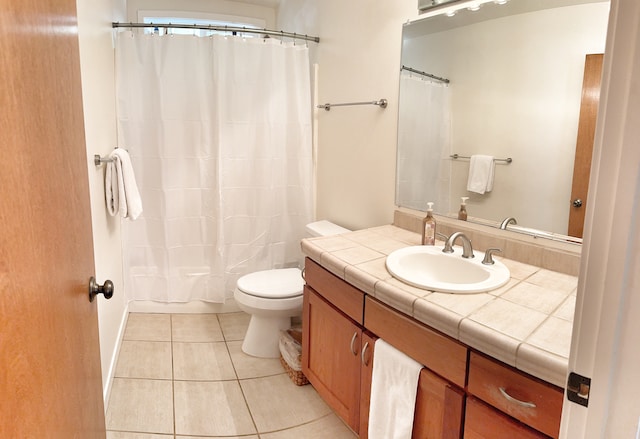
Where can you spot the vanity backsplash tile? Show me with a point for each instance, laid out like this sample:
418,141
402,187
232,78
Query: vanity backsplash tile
539,252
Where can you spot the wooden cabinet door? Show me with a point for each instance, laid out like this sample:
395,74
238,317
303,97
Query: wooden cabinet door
331,344
485,422
366,372
439,408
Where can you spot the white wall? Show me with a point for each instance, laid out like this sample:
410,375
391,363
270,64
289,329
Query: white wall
516,85
359,60
97,69
223,7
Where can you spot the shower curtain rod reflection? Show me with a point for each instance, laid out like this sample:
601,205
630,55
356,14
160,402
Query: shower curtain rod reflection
232,29
429,75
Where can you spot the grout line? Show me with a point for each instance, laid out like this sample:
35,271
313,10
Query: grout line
244,397
173,385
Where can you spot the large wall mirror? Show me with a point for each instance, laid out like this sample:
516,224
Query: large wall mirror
515,84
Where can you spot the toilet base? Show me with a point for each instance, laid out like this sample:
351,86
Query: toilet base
263,336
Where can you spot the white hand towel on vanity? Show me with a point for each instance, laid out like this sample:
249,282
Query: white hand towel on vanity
481,171
394,386
121,190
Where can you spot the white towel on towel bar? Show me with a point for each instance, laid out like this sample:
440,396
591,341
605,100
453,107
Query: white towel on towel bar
394,386
120,188
481,172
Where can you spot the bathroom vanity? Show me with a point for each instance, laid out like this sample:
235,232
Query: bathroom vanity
480,379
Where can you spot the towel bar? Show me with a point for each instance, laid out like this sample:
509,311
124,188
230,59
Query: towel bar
456,156
97,160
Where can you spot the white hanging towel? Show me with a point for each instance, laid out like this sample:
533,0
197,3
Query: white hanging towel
481,171
394,387
120,188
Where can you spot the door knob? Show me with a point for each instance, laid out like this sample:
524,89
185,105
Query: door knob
577,202
95,289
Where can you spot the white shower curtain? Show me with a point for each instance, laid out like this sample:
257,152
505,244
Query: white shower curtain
219,133
424,131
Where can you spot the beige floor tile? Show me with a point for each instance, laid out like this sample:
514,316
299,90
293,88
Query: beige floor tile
251,367
148,327
211,408
276,403
127,435
327,427
196,328
234,325
140,406
144,359
202,362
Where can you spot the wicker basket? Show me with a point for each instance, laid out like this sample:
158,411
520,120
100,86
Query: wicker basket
290,356
296,376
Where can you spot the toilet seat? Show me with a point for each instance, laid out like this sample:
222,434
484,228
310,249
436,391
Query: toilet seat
279,283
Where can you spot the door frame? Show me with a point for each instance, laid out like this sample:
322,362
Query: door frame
606,324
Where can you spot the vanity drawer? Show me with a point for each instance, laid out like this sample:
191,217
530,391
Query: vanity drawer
336,291
527,399
436,351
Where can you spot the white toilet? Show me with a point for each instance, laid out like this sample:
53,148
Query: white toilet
272,297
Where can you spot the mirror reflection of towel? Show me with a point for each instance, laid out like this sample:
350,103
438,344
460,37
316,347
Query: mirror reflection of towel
481,171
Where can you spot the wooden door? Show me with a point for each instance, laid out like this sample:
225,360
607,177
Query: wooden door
331,344
584,144
439,408
50,378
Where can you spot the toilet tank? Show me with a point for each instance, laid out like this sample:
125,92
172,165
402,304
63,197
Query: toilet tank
324,228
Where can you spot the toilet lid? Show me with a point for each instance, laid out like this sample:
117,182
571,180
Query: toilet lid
272,284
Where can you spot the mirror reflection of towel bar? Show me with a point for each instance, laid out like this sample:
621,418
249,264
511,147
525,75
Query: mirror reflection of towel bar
456,156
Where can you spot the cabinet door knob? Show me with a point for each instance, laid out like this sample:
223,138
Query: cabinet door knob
353,342
514,400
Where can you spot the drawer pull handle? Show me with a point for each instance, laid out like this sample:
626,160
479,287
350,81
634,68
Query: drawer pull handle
364,351
353,342
514,400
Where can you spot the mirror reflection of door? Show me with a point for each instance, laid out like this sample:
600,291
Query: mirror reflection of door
584,143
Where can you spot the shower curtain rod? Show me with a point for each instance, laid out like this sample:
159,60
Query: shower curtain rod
437,78
233,29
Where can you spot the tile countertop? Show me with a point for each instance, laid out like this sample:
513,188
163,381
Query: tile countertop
527,323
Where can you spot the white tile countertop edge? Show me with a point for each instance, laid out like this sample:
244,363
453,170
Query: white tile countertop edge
526,323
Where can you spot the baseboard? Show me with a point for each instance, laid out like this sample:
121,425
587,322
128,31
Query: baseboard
196,307
114,358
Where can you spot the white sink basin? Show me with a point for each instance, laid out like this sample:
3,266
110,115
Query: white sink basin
425,266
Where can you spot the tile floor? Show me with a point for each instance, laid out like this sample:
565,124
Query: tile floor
184,376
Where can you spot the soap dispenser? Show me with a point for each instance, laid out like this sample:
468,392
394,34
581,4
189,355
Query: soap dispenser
429,227
462,214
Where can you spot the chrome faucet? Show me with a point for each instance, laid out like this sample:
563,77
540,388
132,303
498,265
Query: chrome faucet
467,250
508,220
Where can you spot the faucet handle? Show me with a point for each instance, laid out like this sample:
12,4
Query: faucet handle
442,235
488,256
